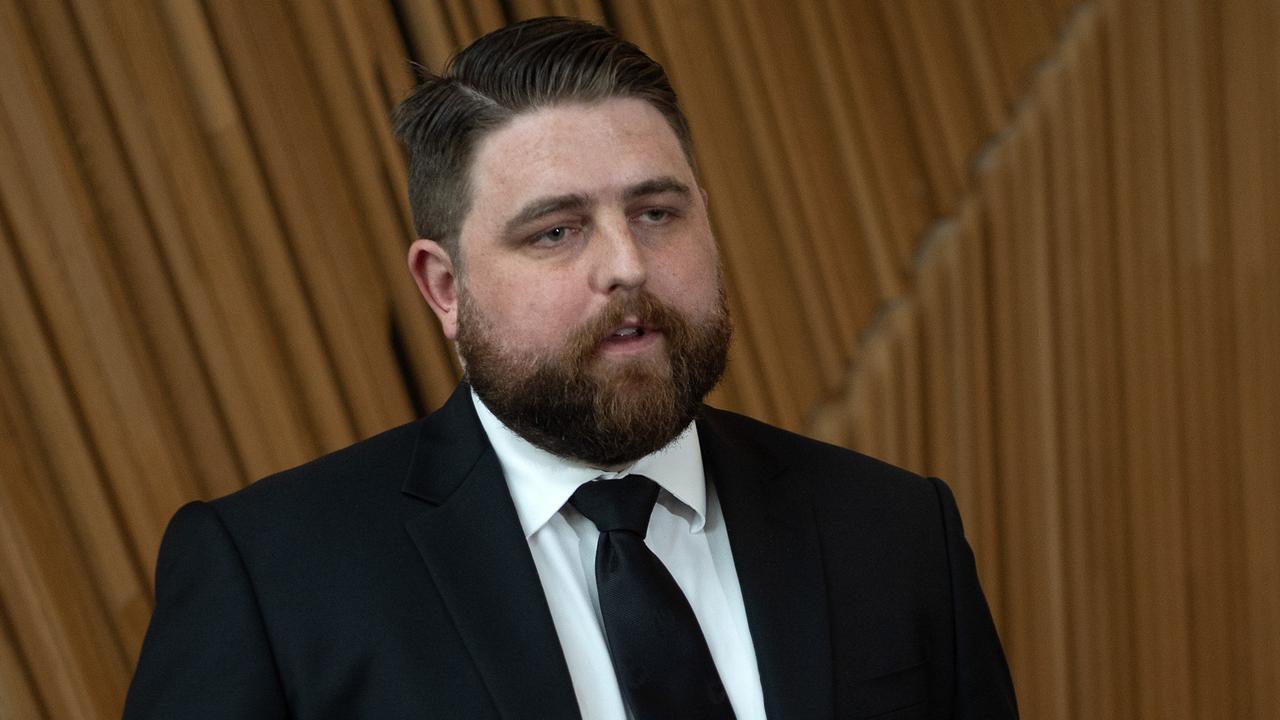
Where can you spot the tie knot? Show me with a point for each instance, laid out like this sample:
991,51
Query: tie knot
621,504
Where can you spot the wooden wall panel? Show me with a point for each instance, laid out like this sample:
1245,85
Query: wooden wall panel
1210,449
756,71
1027,246
894,160
1148,304
1250,36
1066,291
16,683
1115,341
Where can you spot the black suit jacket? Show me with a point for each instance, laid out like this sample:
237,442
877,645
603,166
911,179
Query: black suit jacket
392,580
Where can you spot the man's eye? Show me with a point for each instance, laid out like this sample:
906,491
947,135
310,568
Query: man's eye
655,215
553,236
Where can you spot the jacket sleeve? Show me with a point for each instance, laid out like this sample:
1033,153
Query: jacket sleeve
984,688
206,653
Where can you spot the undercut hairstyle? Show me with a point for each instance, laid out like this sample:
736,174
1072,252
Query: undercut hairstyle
516,69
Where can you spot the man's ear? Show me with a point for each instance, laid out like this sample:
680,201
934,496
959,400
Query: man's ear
432,270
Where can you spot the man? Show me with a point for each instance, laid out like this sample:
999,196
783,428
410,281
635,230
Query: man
573,533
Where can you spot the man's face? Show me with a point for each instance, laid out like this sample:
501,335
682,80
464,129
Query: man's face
590,313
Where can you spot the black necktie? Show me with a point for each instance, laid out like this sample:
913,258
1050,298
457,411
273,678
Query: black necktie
659,654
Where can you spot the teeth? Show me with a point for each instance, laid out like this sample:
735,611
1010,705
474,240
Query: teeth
627,332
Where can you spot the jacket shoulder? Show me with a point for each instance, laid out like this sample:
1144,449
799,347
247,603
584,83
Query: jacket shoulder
839,482
367,471
803,453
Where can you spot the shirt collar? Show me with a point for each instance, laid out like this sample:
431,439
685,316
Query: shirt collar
541,483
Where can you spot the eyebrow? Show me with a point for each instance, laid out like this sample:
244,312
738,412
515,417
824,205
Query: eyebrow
657,186
541,207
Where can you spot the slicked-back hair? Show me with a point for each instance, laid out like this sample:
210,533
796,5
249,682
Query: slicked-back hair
518,68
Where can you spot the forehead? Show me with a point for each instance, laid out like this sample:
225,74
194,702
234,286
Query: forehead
597,150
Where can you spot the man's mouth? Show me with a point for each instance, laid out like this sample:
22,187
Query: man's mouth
632,333
628,332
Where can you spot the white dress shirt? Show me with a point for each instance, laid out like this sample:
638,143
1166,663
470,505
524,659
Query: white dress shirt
686,532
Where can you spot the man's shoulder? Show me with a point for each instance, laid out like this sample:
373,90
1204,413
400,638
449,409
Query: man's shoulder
837,481
802,453
363,471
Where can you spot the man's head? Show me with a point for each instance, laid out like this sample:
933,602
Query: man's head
590,315
512,70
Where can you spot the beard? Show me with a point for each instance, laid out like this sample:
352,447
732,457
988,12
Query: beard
575,405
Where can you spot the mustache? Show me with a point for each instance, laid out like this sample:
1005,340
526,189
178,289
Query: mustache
641,306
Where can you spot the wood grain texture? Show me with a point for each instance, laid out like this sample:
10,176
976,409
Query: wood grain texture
1030,247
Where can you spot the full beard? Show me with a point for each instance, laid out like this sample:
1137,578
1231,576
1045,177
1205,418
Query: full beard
575,405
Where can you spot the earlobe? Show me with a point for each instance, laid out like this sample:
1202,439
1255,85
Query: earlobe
432,270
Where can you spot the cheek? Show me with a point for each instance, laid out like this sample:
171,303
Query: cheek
690,279
534,311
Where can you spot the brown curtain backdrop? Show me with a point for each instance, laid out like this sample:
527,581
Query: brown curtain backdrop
1031,247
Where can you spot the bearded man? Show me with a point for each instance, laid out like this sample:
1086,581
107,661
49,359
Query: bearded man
573,534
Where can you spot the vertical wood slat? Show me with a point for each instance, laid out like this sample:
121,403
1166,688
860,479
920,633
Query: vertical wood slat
773,266
941,360
874,251
188,421
894,162
815,332
316,216
949,80
995,196
43,529
46,626
490,15
906,362
1041,437
92,324
18,696
361,140
426,24
815,190
461,21
1142,233
1251,32
331,74
937,133
230,148
1204,338
981,61
1021,31
233,337
851,284
431,361
1105,438
79,307
974,345
375,36
875,424
339,240
1025,441
1068,395
223,258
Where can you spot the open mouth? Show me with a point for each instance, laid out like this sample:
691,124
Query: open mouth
632,333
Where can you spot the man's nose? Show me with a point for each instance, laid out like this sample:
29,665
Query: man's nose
618,257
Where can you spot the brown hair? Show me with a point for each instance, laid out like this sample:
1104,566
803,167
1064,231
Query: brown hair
511,70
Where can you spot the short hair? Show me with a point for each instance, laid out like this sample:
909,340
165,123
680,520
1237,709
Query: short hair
521,67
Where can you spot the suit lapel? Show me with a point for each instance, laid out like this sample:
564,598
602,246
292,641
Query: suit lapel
479,560
778,559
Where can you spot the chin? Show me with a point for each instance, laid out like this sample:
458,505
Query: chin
633,370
